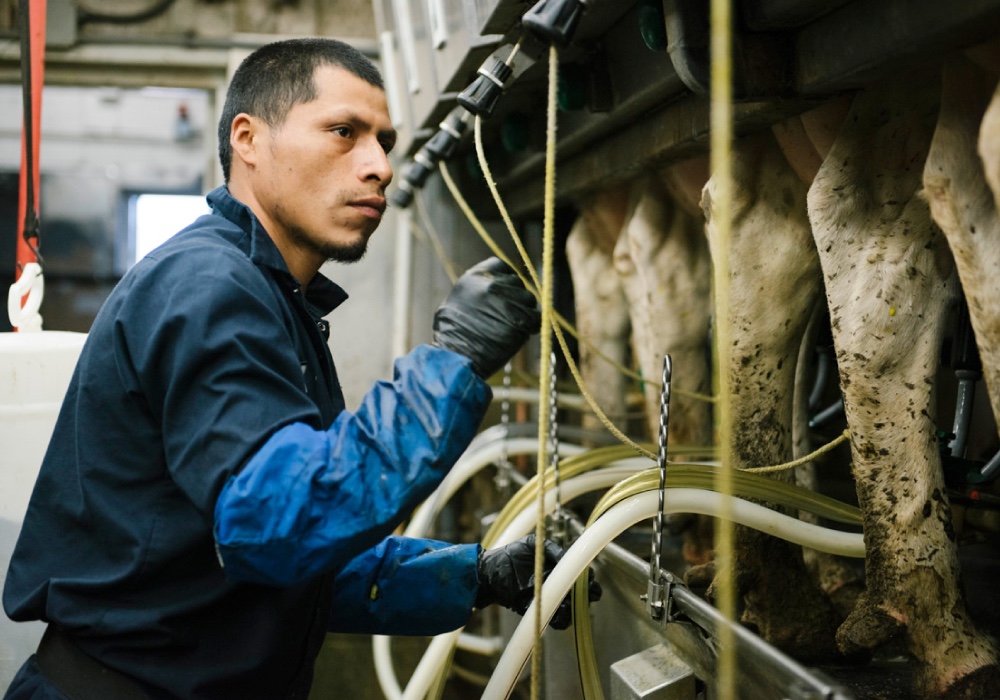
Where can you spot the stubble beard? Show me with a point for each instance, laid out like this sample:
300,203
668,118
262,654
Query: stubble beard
335,252
345,253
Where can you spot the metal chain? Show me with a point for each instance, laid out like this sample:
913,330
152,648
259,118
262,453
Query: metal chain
558,529
504,479
654,593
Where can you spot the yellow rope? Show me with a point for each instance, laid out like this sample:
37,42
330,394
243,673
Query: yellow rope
548,243
560,338
721,122
803,460
450,268
505,215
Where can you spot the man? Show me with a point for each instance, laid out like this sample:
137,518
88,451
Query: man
207,510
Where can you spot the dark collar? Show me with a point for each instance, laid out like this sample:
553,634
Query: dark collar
322,293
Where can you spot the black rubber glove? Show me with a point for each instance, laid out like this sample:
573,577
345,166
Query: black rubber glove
487,316
507,578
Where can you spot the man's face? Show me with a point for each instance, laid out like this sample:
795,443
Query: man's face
321,175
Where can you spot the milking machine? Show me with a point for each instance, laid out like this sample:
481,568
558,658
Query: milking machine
631,81
674,629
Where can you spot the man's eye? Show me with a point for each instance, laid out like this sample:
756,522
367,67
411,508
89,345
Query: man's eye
344,131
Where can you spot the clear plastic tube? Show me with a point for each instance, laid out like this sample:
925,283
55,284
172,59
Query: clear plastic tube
626,513
577,467
467,467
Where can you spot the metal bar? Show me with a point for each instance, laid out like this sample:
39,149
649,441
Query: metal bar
884,36
655,604
767,672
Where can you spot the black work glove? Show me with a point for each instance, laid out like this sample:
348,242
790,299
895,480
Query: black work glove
507,578
487,316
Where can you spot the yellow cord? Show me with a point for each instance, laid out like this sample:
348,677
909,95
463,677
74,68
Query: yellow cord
450,268
505,215
802,460
721,122
560,338
548,243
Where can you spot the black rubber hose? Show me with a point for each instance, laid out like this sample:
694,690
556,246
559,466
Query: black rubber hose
155,10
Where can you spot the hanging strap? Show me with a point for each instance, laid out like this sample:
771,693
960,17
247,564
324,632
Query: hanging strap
32,29
22,306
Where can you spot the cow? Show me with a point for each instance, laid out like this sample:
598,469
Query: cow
775,285
889,280
840,199
602,310
640,264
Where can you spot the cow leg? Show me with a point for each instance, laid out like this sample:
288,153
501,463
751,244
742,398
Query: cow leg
774,284
963,205
889,281
667,248
602,313
672,270
805,141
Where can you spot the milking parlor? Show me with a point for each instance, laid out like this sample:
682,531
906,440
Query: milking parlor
627,349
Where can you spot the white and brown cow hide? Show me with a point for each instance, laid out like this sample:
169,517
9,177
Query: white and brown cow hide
774,287
662,257
958,190
889,279
640,262
665,266
602,312
863,231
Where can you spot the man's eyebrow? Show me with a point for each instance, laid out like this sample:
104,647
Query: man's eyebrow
385,136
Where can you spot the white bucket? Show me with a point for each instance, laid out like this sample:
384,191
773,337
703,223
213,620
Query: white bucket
35,369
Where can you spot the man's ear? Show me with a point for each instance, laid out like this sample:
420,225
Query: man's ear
244,138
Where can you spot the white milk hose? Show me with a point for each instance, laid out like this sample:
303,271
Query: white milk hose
624,515
468,465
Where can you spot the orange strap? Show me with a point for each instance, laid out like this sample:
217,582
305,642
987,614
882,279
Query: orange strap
36,60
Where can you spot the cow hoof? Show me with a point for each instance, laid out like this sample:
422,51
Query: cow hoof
845,598
865,629
699,579
984,682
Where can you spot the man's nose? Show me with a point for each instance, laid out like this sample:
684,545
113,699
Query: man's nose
375,165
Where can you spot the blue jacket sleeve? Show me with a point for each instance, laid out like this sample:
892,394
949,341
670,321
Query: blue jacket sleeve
406,586
309,501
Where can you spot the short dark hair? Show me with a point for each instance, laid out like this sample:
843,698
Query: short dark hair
278,76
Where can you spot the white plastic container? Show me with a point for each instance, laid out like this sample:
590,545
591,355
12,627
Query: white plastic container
35,369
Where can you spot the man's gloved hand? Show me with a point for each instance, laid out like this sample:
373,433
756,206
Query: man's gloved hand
507,578
487,316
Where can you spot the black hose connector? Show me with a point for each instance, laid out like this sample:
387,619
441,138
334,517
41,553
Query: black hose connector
420,169
481,96
414,177
554,20
442,144
403,196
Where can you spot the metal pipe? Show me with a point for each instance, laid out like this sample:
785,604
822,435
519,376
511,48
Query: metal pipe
620,517
964,400
366,46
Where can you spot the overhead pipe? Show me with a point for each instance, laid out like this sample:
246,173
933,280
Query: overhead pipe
762,65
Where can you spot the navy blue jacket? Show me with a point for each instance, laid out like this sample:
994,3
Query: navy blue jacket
207,510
